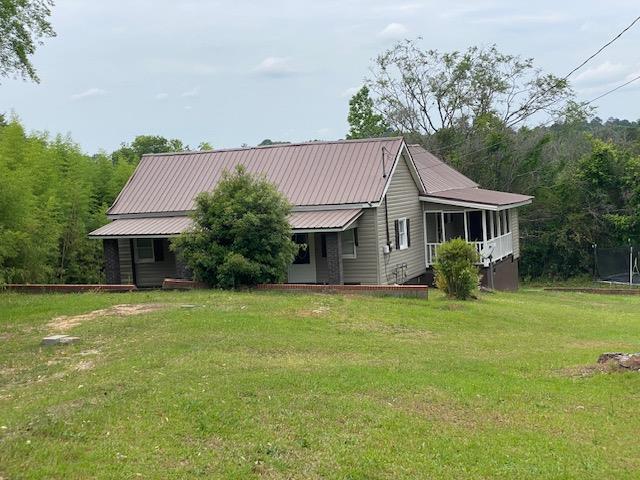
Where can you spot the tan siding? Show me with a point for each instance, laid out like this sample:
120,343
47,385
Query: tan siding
515,231
403,202
364,268
124,252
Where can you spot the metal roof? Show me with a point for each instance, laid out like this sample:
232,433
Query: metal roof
319,220
482,196
324,219
315,173
436,174
150,226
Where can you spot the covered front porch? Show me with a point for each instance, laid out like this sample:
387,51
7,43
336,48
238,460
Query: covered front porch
488,230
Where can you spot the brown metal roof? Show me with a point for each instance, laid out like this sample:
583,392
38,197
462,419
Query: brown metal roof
436,174
316,173
321,220
482,196
130,227
324,219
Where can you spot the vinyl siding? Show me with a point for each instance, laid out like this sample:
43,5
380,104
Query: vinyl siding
515,231
402,202
124,252
147,274
364,268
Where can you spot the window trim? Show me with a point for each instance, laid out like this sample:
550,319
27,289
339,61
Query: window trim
353,255
402,229
136,255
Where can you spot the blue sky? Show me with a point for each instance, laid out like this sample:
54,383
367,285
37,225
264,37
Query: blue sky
233,72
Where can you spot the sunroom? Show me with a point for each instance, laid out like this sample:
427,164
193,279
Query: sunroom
487,219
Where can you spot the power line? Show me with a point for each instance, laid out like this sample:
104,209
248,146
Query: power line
553,119
587,60
602,48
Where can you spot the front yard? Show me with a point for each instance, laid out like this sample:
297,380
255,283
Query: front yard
244,385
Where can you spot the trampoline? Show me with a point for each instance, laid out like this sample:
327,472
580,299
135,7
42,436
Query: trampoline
619,265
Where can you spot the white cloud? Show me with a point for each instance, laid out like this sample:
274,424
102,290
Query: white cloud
350,92
162,96
399,8
90,93
194,92
188,107
394,31
603,73
276,67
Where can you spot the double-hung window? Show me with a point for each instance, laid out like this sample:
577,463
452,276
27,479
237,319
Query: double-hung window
402,234
144,252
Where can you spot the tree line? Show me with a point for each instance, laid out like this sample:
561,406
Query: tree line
504,123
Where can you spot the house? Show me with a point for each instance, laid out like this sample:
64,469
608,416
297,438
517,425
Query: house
371,211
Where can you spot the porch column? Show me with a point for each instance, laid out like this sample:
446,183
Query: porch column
334,258
484,226
111,261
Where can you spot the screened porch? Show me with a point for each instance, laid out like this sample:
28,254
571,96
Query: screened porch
488,230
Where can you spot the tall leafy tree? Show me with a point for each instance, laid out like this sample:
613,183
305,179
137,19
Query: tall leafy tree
241,235
364,122
23,25
426,91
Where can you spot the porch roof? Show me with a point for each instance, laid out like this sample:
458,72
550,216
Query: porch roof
479,197
307,221
143,227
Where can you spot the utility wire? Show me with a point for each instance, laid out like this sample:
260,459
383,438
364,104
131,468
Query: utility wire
608,92
587,60
602,48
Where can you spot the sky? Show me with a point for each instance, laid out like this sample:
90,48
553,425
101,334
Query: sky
231,72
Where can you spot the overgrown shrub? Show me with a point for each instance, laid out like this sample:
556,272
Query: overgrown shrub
241,234
455,268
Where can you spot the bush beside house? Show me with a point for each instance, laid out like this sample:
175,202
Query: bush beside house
241,234
455,268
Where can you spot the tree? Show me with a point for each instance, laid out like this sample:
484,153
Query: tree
268,141
363,121
143,144
23,23
428,91
241,234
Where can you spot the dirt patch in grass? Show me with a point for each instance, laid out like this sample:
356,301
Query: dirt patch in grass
583,371
67,322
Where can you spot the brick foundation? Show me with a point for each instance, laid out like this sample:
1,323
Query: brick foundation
60,288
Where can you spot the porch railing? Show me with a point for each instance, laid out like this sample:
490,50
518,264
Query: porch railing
502,247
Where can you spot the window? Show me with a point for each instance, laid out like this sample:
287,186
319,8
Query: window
349,243
302,257
144,250
403,239
323,245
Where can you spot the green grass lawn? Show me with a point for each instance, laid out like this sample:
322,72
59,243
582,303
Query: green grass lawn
252,385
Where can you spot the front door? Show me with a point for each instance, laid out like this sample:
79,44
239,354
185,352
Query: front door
303,268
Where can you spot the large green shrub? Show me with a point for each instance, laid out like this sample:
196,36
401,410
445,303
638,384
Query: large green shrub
455,268
241,234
